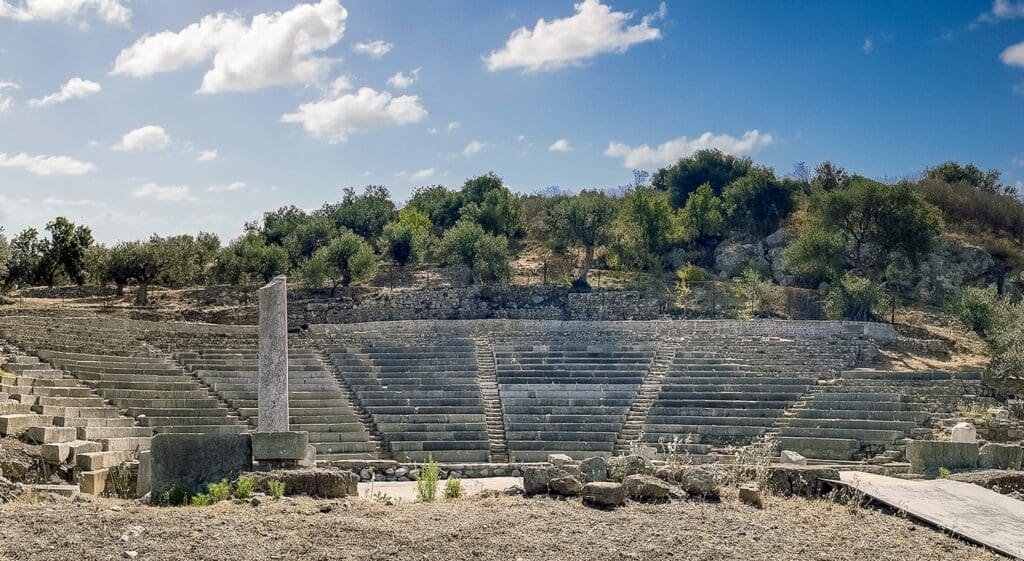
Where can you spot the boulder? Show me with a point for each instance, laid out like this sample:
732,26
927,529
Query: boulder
594,469
792,458
698,482
566,486
318,483
1000,456
621,467
558,460
604,494
645,488
778,238
804,481
733,257
536,478
750,493
964,432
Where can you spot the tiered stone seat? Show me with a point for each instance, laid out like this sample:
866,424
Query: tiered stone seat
228,365
567,398
865,412
421,392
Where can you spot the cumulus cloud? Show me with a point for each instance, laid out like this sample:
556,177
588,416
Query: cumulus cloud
1003,9
422,174
335,118
165,193
373,49
402,81
340,84
474,147
112,12
230,187
560,145
149,138
595,29
1013,55
272,49
644,156
6,100
74,88
46,165
207,156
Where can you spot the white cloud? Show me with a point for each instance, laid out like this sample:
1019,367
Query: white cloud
46,165
74,88
235,186
560,145
402,81
110,11
422,174
165,193
869,46
375,49
594,29
474,147
1003,9
273,49
341,84
148,139
207,156
6,101
643,156
1013,55
336,118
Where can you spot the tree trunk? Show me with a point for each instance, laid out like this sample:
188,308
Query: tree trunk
141,294
588,261
120,290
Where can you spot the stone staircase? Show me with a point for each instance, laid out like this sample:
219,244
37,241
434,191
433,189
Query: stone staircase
365,419
487,378
632,429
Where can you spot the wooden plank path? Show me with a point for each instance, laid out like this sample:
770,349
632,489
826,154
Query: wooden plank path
967,510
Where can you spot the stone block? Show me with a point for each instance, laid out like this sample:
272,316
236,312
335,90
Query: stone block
804,481
289,445
318,483
1000,456
621,467
605,494
536,478
47,435
196,460
566,486
928,456
92,482
559,459
750,494
646,488
698,481
792,458
841,449
62,452
17,424
964,432
594,469
144,484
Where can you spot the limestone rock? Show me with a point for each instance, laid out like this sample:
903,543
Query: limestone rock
964,432
604,494
805,481
645,488
621,467
1001,481
1000,456
750,493
732,257
536,478
319,483
778,238
698,482
594,469
559,459
792,458
566,486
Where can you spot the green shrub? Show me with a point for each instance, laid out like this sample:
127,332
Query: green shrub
177,495
202,499
453,489
853,298
426,483
219,491
276,488
244,486
975,309
691,274
944,473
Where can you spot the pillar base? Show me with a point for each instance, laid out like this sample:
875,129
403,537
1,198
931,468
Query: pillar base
279,446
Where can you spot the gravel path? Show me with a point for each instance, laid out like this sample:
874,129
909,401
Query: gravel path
504,528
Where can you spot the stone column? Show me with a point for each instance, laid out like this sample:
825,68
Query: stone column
273,381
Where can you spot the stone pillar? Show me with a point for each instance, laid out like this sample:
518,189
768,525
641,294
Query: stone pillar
273,377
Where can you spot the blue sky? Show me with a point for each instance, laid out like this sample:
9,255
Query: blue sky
171,116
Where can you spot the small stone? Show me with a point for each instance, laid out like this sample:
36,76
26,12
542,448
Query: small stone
326,508
645,488
116,508
130,554
750,493
792,458
514,491
255,501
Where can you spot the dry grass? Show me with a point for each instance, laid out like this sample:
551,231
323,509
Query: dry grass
480,529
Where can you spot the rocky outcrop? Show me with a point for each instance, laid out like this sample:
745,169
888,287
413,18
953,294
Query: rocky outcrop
951,266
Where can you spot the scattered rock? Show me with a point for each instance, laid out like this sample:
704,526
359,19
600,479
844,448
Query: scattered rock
130,554
698,482
604,494
805,481
567,486
514,491
621,467
255,501
536,478
324,509
319,483
645,488
1000,456
750,493
559,459
594,469
792,458
1002,481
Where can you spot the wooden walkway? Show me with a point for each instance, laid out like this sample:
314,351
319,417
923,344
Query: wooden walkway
972,512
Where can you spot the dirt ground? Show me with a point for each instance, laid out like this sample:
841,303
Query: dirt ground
503,528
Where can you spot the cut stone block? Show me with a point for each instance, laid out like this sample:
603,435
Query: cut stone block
273,356
1000,456
62,452
792,458
279,445
928,456
144,484
71,491
821,448
48,435
92,482
92,461
964,432
604,494
196,460
16,425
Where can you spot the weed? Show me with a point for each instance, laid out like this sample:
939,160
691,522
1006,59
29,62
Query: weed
384,499
426,484
944,473
202,499
177,495
453,489
219,491
276,488
244,487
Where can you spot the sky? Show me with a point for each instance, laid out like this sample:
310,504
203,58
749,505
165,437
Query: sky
177,116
